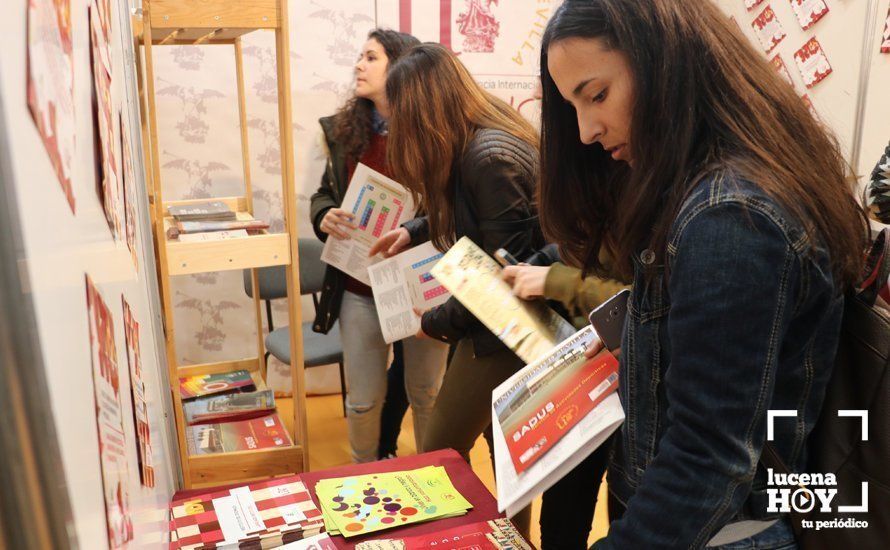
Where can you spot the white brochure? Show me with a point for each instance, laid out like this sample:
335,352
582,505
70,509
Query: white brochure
402,283
379,205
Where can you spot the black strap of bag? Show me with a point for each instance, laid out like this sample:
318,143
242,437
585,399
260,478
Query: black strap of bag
874,276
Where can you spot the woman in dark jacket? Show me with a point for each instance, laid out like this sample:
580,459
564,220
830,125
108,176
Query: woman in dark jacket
358,133
472,162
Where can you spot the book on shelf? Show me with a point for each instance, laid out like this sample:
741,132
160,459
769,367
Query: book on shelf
265,432
208,384
212,236
181,228
203,211
228,407
263,514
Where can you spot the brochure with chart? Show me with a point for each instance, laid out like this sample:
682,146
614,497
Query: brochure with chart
379,205
529,328
402,283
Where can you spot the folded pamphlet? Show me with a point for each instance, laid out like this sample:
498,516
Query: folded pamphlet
402,283
529,328
550,416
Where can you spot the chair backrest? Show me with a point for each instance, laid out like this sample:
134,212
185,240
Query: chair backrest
273,281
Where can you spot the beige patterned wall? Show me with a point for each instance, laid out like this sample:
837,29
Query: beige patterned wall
200,146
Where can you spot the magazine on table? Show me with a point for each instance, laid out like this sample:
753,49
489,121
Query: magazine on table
529,328
379,205
402,283
550,416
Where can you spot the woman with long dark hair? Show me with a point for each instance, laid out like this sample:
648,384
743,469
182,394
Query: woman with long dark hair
472,162
358,133
672,150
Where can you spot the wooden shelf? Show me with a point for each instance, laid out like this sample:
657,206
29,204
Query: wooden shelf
175,22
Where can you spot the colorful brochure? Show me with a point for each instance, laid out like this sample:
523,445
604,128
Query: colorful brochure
207,384
358,505
379,205
228,407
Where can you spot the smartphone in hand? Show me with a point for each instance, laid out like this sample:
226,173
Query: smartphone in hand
608,319
504,258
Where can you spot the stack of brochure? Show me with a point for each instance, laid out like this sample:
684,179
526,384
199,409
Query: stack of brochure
264,514
358,505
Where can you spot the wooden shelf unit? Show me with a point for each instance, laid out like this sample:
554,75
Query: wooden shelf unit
224,22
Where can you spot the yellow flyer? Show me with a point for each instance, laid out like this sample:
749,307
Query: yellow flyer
530,329
363,504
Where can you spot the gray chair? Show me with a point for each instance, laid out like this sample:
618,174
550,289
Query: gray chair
318,349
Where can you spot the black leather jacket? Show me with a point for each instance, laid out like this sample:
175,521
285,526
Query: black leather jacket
494,187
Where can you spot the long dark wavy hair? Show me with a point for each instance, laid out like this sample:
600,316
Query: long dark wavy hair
437,108
353,122
703,100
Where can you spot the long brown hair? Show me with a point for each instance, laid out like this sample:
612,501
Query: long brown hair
703,99
436,109
353,122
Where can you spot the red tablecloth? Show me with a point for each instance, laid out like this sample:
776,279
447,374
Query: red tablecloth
485,507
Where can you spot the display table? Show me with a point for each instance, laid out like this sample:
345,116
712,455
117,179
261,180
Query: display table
462,477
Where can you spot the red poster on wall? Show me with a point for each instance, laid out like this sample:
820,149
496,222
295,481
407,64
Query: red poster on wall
812,63
51,84
808,12
768,29
137,392
751,4
885,44
109,420
779,64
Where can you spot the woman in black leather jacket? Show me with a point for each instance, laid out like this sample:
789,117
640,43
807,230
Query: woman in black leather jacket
472,162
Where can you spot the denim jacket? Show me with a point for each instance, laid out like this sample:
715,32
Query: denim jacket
746,318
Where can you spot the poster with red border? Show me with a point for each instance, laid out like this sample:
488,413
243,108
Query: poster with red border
808,12
812,63
109,184
779,65
51,85
109,420
751,4
137,392
768,29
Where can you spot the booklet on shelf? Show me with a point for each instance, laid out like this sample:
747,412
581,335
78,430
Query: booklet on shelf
207,384
203,211
212,236
180,228
228,407
550,416
263,514
497,534
379,204
265,432
402,283
529,328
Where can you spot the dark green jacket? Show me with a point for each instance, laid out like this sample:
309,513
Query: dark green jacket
329,195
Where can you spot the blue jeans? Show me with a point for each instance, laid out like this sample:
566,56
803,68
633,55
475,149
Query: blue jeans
365,358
